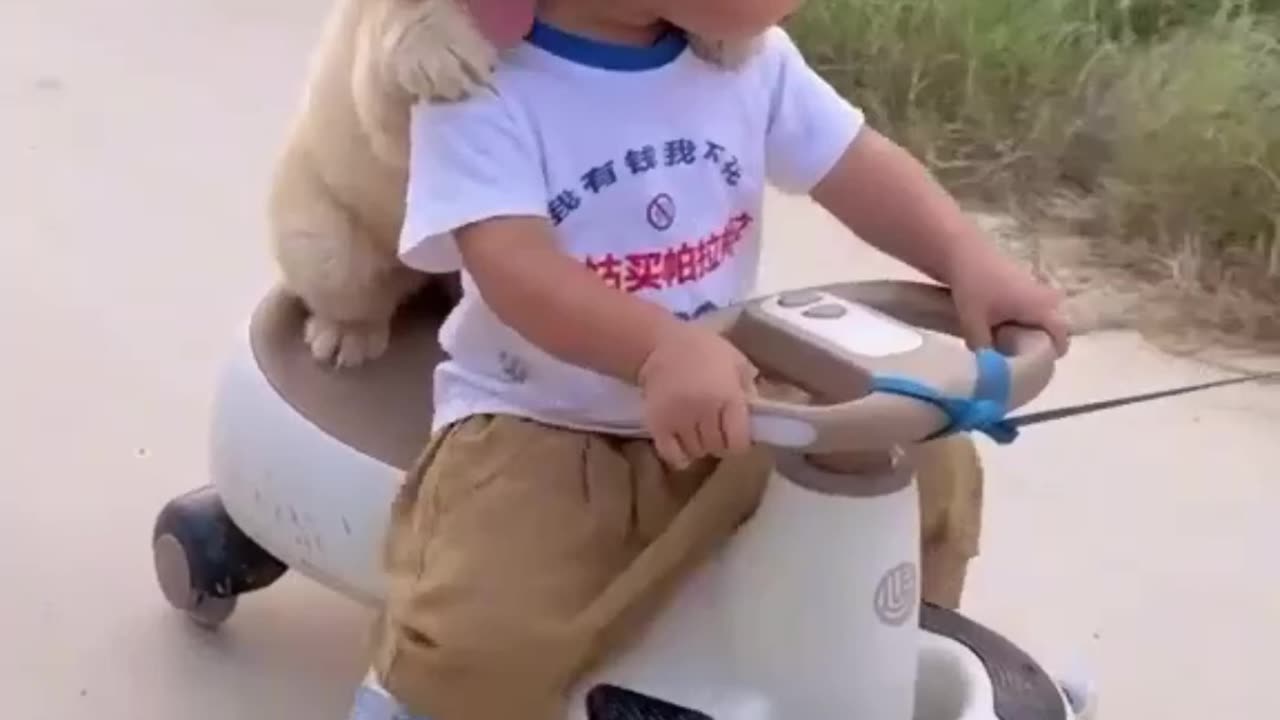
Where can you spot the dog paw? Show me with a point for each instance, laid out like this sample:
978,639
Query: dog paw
346,345
438,62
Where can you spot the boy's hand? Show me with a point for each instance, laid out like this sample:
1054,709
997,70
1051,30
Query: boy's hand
696,385
992,290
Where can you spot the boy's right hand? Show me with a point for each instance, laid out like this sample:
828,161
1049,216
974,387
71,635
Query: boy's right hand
696,385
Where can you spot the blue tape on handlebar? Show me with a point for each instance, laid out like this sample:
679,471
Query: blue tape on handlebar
984,412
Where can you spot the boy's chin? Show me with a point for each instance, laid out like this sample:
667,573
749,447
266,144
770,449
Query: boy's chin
502,22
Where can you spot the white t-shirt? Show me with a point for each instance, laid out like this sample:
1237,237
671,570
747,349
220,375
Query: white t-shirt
651,165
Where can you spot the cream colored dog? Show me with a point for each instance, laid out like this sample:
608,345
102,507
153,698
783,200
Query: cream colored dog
337,199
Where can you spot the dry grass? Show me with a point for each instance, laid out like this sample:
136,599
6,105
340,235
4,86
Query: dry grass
1162,117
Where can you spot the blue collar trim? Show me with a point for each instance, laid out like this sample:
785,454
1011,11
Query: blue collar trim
606,55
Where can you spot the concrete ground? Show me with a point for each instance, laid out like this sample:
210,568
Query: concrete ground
135,138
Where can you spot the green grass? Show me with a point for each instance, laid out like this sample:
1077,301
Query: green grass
1165,112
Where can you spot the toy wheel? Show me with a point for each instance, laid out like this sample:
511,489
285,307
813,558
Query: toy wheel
1081,694
173,571
1023,690
203,561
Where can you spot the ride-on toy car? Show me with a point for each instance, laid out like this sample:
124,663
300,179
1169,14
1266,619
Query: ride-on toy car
812,612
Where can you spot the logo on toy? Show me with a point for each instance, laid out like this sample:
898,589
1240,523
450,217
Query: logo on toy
895,597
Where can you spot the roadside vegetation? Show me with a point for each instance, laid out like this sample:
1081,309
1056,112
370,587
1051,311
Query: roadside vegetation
1157,122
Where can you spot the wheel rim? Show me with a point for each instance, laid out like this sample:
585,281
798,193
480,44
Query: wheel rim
173,572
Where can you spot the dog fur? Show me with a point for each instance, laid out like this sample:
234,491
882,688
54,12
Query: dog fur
337,196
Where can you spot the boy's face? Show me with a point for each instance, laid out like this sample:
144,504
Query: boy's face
725,19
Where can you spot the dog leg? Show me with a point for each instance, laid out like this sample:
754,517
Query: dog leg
350,285
406,51
439,53
431,49
351,307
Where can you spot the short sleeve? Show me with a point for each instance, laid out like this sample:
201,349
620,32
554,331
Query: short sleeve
469,161
810,124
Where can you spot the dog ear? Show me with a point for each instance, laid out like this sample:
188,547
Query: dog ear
502,22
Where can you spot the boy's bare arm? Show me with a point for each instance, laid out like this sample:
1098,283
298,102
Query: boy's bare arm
889,199
557,303
694,382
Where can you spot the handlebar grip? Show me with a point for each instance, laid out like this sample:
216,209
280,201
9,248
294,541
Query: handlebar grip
883,396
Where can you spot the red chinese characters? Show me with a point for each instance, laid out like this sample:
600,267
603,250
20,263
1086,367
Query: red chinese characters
643,272
671,266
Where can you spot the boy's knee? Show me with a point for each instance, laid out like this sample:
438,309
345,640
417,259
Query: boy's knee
478,671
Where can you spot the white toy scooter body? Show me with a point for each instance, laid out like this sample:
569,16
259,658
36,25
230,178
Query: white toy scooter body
812,612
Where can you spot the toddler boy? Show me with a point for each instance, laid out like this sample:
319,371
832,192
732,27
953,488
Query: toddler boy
590,444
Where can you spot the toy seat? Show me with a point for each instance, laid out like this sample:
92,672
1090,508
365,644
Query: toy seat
382,409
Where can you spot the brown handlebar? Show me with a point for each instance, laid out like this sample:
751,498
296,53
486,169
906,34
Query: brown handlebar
832,340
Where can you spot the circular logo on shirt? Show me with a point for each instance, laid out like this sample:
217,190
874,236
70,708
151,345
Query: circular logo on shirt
661,212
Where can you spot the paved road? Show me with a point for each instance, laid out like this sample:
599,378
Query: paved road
134,142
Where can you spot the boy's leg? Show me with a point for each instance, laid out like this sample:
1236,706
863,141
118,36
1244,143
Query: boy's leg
950,478
519,554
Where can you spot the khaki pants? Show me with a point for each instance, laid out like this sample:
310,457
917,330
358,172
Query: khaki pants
519,554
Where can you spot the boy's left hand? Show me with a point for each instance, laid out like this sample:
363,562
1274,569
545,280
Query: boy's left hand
993,290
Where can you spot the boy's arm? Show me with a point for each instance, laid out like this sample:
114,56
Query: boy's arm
889,199
695,383
476,200
819,145
535,289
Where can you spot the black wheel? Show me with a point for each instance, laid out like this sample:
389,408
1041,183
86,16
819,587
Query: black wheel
1023,690
203,561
